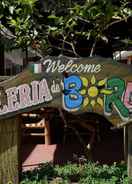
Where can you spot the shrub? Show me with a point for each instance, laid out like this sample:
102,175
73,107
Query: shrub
68,171
87,173
43,172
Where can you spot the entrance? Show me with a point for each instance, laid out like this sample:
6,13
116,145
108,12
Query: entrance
64,139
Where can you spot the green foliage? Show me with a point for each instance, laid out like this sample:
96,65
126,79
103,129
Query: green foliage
44,171
98,15
16,15
69,171
88,173
89,19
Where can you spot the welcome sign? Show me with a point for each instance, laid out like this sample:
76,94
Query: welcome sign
76,85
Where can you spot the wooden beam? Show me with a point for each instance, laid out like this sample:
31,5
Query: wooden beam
129,164
9,151
35,134
31,115
122,124
2,65
2,78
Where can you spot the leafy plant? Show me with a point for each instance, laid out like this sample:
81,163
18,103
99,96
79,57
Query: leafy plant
87,173
44,171
69,171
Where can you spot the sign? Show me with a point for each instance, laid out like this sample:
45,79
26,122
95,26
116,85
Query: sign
76,85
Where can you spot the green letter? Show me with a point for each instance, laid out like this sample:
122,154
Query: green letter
115,99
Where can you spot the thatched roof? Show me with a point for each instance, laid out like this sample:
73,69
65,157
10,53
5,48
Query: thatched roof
6,33
6,38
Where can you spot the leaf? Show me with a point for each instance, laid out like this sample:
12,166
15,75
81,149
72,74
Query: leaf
85,102
92,103
52,17
83,92
102,82
104,38
106,91
100,101
11,9
52,28
84,81
13,22
93,80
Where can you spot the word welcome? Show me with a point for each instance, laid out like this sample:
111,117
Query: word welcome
70,67
26,95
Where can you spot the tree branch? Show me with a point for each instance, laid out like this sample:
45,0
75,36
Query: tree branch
92,49
116,22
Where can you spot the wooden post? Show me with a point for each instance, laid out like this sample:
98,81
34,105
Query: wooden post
129,60
9,151
47,133
129,164
125,139
2,65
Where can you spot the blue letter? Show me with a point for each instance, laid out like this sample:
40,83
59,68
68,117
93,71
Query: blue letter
72,98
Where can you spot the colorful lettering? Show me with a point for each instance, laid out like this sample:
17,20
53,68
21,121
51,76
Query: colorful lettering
128,96
115,99
72,98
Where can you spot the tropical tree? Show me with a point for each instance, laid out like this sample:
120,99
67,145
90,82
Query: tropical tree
90,20
59,25
16,16
48,25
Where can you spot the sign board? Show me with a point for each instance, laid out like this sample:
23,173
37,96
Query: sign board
76,85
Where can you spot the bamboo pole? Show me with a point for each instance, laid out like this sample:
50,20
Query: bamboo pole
9,151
